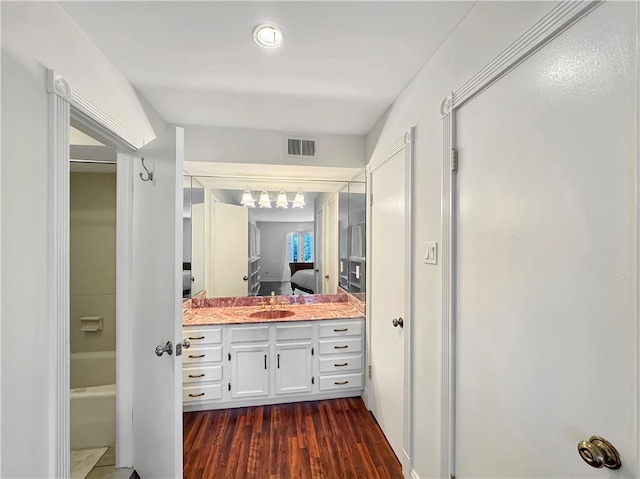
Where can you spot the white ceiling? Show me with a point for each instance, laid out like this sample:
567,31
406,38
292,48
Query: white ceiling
341,66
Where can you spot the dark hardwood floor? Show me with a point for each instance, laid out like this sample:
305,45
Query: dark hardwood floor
335,439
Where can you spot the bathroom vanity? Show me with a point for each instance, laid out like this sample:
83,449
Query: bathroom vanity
251,355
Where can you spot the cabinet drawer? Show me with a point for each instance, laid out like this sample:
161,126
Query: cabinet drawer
342,345
342,381
242,335
340,363
285,333
202,393
202,355
202,336
201,374
346,328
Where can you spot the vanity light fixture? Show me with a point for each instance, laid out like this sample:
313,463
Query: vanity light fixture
265,201
298,202
247,199
268,36
282,202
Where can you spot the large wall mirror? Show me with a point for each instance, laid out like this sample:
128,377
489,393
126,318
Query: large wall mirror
255,236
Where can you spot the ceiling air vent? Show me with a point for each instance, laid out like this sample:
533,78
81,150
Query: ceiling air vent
296,147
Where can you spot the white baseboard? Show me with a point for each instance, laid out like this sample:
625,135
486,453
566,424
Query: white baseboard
365,397
414,474
235,403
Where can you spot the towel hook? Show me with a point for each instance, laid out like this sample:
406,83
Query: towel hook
149,173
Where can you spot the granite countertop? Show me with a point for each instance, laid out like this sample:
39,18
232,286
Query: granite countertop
201,316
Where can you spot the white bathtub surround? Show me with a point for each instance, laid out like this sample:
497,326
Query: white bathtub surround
93,399
93,369
83,460
93,416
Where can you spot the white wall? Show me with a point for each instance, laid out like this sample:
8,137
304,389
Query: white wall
43,32
36,36
240,145
273,247
484,33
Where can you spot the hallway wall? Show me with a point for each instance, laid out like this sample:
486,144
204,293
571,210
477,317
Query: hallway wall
487,29
37,36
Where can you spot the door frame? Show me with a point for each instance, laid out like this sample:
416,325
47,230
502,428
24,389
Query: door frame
403,144
559,18
63,104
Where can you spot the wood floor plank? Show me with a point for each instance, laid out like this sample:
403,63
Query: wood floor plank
337,439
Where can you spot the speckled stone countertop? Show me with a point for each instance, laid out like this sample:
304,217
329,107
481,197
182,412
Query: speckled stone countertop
213,311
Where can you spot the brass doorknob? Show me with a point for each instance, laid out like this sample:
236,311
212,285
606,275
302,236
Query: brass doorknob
598,453
398,322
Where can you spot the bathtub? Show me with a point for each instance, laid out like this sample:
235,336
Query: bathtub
93,399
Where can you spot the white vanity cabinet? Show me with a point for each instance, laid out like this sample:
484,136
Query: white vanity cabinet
340,360
202,365
294,352
239,365
249,370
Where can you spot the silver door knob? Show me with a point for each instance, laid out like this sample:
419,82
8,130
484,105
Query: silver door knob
598,453
167,348
398,322
245,278
186,344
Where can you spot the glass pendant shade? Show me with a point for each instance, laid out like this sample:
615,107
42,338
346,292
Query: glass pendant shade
247,199
282,200
264,202
298,202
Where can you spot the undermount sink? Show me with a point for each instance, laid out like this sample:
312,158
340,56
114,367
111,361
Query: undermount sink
272,314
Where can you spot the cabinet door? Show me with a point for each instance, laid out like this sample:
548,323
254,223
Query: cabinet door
293,367
249,370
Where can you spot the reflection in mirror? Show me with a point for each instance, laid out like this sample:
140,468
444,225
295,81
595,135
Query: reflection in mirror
247,236
352,227
193,238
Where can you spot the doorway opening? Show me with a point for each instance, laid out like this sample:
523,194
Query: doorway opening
92,304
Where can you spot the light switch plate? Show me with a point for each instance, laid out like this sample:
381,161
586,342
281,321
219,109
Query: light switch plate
431,252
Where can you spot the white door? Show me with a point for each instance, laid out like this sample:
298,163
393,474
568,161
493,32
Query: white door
197,248
157,294
229,252
319,241
386,394
546,252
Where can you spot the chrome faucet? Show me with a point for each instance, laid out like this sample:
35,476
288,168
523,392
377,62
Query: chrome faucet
272,301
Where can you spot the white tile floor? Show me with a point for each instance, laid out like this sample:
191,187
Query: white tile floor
99,463
83,460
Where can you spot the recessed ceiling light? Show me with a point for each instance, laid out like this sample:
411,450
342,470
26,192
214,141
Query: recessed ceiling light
268,36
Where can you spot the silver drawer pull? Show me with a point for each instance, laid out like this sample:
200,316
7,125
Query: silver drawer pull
196,395
198,376
196,357
341,383
196,339
341,330
341,347
341,365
